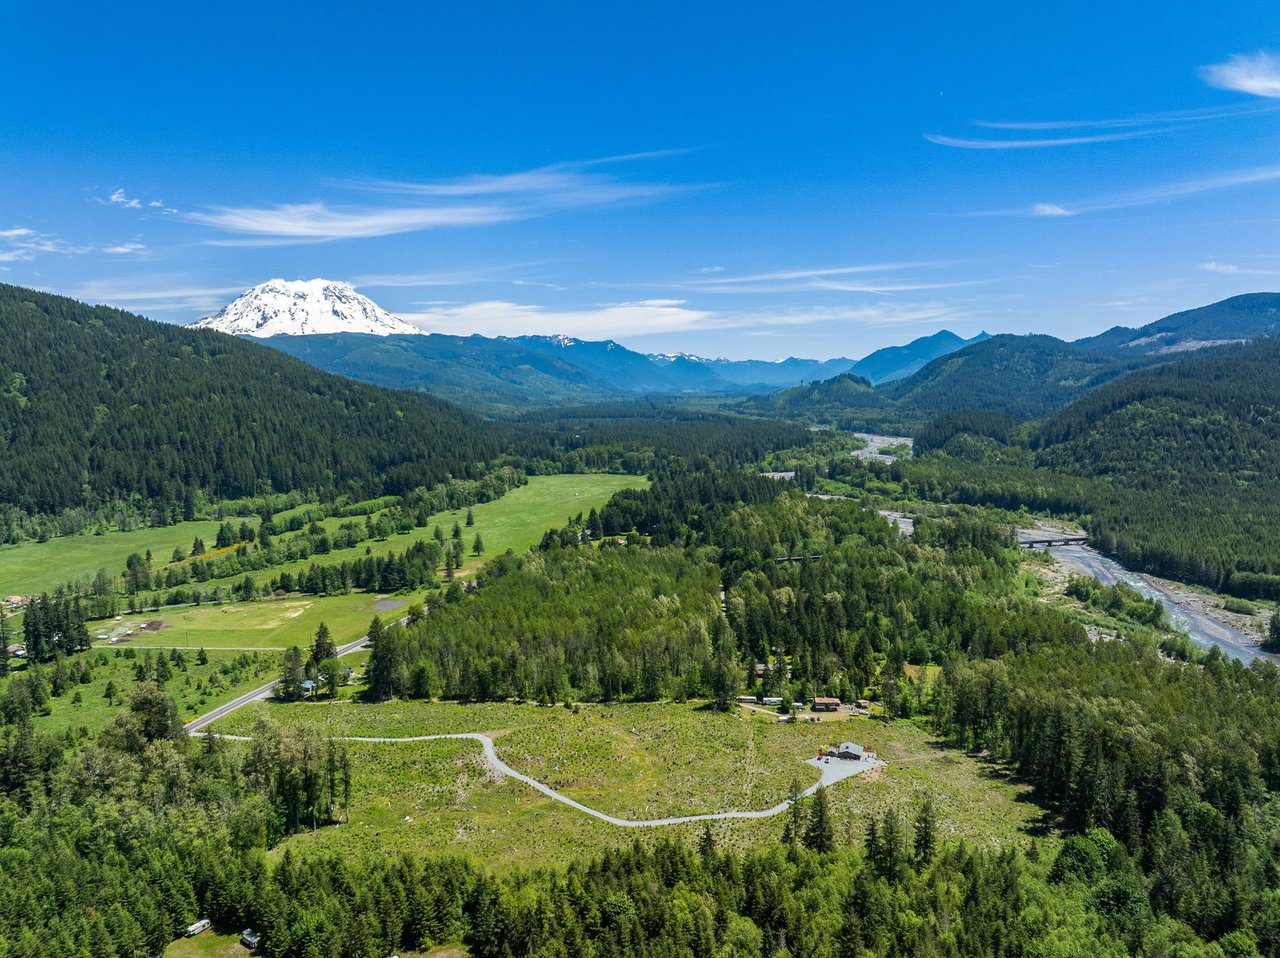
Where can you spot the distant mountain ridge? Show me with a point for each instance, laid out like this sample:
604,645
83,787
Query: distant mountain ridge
330,325
1027,377
897,362
1234,320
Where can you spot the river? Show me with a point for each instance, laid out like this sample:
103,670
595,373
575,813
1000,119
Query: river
1204,630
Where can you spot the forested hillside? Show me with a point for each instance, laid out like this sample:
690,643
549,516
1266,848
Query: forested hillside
1159,763
1237,318
1175,469
1026,376
97,404
492,374
1190,455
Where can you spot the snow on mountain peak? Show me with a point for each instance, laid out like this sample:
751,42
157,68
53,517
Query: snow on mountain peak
304,307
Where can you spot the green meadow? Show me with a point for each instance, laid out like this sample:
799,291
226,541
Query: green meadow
194,687
517,521
633,760
34,567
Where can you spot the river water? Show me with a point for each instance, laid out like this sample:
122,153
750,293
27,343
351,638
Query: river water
1205,631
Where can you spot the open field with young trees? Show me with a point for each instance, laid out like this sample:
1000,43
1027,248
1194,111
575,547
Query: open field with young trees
80,694
516,521
632,760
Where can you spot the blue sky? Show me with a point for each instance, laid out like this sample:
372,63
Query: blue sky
753,180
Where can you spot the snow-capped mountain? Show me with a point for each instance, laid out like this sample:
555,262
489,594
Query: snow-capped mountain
305,307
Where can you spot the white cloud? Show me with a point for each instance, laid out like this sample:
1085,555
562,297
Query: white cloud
827,279
1166,118
125,248
646,317
489,199
320,222
1231,269
1258,74
977,144
168,295
499,318
20,244
456,277
1151,124
120,199
1049,209
1148,196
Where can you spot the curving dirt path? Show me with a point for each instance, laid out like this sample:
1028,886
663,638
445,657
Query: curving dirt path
831,773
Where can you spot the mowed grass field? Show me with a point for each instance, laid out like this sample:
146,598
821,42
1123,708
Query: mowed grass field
638,761
195,688
266,624
517,521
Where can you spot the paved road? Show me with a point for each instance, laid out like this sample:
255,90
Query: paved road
831,773
258,694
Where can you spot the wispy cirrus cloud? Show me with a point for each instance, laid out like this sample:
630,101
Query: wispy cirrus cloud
662,316
164,295
873,278
21,244
1257,74
1148,196
968,143
1084,132
479,200
454,277
501,318
1231,269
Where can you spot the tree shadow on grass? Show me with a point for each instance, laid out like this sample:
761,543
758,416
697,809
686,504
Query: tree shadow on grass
1045,822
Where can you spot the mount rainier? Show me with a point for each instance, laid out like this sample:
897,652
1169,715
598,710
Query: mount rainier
304,307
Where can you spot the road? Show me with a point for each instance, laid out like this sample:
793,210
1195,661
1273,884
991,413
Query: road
258,694
835,771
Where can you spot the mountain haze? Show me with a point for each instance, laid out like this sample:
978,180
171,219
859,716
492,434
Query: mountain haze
897,362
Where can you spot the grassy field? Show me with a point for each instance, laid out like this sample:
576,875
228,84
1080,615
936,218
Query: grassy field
632,760
217,944
208,944
34,567
516,521
195,688
266,624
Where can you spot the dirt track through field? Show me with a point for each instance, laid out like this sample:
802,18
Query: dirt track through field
831,773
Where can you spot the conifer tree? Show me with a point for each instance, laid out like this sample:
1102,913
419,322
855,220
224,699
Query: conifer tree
926,832
819,832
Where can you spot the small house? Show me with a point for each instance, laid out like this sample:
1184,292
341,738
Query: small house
198,926
250,939
850,751
826,704
774,700
307,685
863,703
